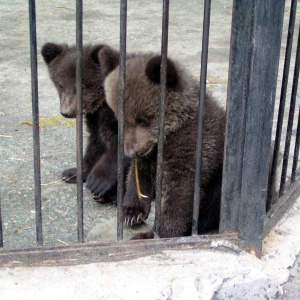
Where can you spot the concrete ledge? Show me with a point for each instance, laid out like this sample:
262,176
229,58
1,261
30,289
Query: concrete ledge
187,274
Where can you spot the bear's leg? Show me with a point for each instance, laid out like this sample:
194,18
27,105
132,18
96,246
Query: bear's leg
94,150
102,179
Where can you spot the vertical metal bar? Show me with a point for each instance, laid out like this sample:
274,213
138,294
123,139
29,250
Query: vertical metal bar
35,117
202,93
161,126
239,64
290,120
282,100
296,150
265,50
79,122
1,229
122,87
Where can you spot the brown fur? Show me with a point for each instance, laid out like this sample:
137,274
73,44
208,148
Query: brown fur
100,159
141,130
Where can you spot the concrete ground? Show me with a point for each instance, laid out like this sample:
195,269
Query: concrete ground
56,23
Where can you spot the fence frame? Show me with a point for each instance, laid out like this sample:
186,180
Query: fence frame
250,108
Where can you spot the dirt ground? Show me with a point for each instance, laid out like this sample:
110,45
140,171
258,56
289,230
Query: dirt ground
56,23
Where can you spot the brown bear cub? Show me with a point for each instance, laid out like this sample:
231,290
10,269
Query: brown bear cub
100,159
141,131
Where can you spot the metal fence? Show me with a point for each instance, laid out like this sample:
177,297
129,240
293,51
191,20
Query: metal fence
248,179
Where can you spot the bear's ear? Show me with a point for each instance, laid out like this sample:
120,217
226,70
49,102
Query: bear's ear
94,53
153,71
50,51
109,59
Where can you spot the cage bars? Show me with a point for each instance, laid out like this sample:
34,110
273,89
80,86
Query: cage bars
35,118
289,130
201,107
79,122
122,88
274,165
161,125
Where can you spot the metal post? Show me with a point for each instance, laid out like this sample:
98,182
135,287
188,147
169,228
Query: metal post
264,50
296,151
161,126
35,117
202,92
239,64
79,122
122,87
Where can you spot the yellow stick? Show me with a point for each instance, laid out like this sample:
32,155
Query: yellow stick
138,188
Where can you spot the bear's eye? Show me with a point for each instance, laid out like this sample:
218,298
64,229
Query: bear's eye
142,121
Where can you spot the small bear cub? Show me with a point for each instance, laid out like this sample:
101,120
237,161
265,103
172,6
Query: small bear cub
141,135
100,159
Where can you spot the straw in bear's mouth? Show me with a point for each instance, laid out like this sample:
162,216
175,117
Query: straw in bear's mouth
138,188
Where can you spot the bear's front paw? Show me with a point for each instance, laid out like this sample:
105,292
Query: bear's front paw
143,236
135,213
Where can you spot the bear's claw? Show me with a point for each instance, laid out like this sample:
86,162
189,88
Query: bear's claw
70,175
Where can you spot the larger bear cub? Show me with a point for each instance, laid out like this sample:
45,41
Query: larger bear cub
141,131
100,159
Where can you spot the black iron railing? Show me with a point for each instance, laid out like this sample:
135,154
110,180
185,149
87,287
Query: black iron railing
248,180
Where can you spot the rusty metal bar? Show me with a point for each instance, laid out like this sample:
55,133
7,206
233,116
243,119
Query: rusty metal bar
35,118
202,93
122,87
79,123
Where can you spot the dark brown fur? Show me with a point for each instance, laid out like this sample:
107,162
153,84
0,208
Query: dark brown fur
141,128
100,159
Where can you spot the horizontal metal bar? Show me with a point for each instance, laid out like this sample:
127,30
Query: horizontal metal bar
105,252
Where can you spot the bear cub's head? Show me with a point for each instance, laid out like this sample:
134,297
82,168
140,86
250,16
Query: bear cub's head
142,101
61,62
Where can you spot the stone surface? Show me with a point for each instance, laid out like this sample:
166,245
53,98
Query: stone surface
217,273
